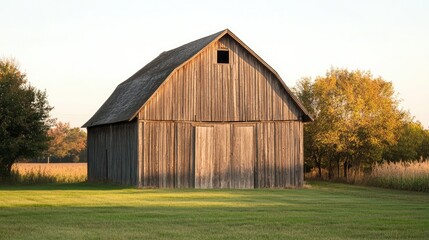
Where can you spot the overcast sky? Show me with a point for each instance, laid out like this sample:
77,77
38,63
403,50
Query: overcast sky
79,51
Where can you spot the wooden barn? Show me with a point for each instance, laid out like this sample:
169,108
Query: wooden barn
208,114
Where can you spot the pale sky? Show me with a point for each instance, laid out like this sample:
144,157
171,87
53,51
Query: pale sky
79,51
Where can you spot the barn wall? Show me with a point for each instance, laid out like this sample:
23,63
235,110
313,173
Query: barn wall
210,155
112,153
203,90
280,159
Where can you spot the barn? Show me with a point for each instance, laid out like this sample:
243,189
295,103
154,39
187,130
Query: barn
208,114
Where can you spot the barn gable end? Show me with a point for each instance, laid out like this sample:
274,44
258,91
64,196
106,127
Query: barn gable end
203,90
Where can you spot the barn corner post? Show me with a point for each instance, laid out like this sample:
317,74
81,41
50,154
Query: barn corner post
88,171
208,114
139,153
301,153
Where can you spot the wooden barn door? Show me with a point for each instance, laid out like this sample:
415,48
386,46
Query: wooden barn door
212,156
222,160
204,157
243,157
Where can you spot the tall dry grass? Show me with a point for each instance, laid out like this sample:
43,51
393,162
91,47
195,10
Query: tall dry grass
30,173
412,176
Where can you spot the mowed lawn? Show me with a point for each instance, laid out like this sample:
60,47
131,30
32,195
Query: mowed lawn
323,210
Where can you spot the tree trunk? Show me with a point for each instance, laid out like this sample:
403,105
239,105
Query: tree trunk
319,171
319,167
5,171
346,164
338,168
330,170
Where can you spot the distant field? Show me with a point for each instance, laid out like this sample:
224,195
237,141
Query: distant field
322,211
50,173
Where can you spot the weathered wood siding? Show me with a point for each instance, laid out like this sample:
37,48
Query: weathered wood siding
243,156
203,90
167,154
204,157
112,153
222,155
280,158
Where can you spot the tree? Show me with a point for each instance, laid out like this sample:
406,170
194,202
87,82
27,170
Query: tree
315,151
424,147
58,134
66,142
24,118
413,142
356,117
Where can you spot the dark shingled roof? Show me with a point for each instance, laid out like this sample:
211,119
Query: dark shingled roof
133,93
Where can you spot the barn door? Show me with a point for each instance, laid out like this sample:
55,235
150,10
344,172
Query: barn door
243,157
204,156
220,162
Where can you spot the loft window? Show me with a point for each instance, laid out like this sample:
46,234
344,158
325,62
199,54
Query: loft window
222,56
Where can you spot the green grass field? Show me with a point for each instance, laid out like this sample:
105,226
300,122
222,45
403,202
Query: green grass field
323,210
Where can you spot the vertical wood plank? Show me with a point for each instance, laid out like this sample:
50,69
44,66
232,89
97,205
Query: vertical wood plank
140,151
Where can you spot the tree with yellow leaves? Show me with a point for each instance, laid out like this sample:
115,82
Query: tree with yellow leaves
66,142
356,119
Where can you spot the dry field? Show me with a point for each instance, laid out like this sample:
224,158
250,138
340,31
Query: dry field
49,173
401,169
412,176
401,175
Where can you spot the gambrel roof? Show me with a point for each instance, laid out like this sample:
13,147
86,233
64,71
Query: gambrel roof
131,95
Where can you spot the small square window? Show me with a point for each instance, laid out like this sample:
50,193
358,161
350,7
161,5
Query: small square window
222,56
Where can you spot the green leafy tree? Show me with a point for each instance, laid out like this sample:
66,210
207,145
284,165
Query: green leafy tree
315,151
424,147
24,118
411,143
